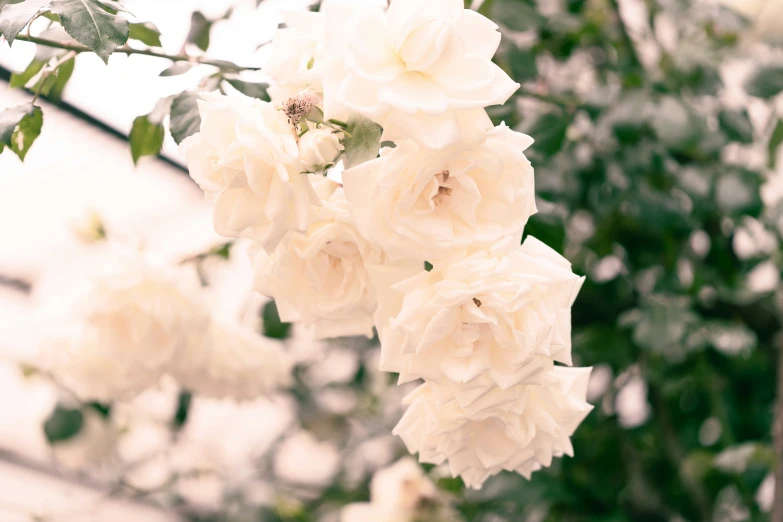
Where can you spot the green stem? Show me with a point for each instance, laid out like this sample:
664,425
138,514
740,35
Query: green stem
129,51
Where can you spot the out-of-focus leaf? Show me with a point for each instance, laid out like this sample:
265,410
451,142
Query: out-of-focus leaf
766,82
523,64
19,128
200,28
676,124
549,131
273,326
737,125
362,141
53,85
774,144
147,33
21,79
517,15
185,117
176,69
181,414
14,17
63,424
146,138
254,90
91,25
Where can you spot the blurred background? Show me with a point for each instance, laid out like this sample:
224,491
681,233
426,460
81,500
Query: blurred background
659,175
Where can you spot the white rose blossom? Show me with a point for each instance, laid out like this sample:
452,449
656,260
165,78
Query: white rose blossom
495,319
320,278
246,157
422,70
319,148
115,324
235,362
423,204
520,429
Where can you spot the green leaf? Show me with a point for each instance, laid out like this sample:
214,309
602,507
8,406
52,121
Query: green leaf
774,144
21,79
19,128
523,64
146,138
200,27
517,15
765,83
736,125
176,69
91,25
274,328
362,141
183,410
63,424
146,33
185,117
53,85
549,131
14,17
254,90
676,125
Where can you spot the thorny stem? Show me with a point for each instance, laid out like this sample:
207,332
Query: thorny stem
77,48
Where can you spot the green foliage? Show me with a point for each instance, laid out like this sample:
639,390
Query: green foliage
185,118
146,138
737,125
274,328
766,83
254,90
362,141
63,424
200,28
19,127
146,33
14,17
176,68
89,23
21,79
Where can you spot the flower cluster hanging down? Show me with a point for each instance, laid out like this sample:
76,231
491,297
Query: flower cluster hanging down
486,326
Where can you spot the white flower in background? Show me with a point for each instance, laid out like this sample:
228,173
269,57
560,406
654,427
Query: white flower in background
423,204
114,324
319,147
246,157
494,319
236,362
399,493
320,278
296,59
422,70
766,15
521,429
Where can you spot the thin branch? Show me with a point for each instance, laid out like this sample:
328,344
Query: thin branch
78,48
777,433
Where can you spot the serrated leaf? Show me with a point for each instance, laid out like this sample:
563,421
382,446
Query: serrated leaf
147,33
185,117
21,79
146,138
362,141
766,82
91,25
200,28
63,424
736,125
774,144
176,69
19,128
254,90
14,17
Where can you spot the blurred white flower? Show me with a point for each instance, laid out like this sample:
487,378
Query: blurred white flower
766,15
320,278
113,324
520,429
399,493
423,204
319,147
422,70
302,459
235,362
296,59
494,319
246,157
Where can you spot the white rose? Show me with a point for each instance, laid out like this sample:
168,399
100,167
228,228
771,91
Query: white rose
423,204
296,59
320,278
114,324
234,362
422,70
520,429
246,157
319,147
494,319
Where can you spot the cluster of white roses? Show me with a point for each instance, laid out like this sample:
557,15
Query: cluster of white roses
119,320
486,325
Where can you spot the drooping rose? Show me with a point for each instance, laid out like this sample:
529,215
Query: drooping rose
520,429
423,204
422,70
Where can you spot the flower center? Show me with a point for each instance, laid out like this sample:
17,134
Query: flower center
444,193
